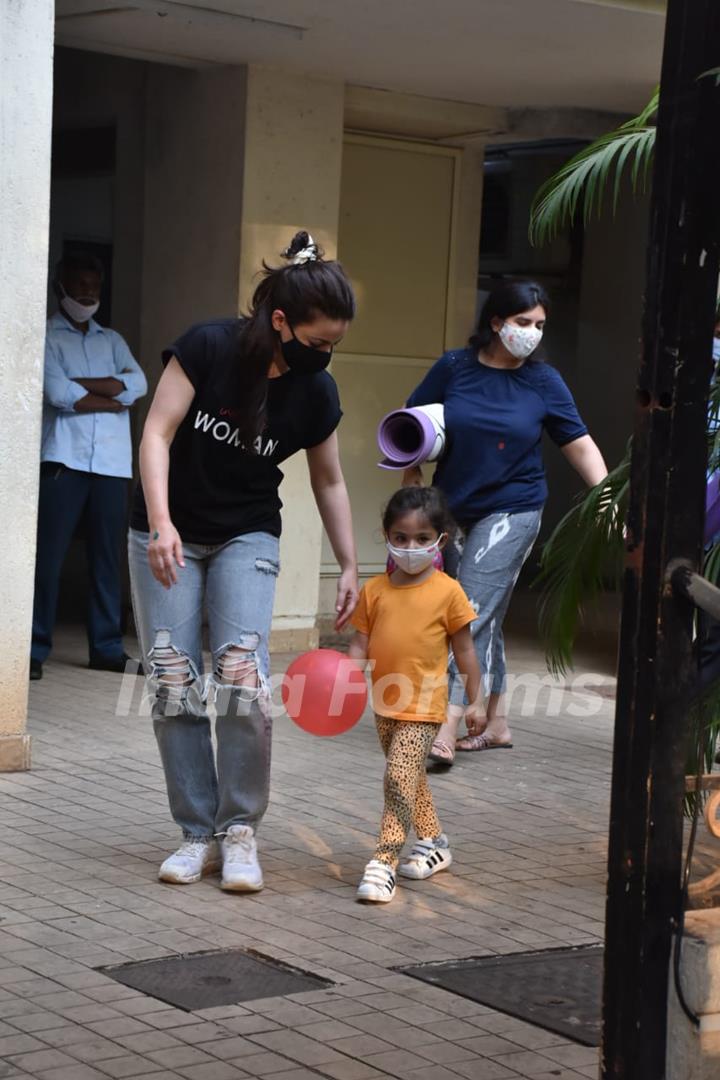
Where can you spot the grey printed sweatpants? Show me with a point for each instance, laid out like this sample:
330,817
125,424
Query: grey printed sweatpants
487,559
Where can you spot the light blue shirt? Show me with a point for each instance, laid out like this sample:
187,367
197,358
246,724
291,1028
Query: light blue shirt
96,442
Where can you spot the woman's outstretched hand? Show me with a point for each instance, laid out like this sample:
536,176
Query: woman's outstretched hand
348,592
475,719
165,553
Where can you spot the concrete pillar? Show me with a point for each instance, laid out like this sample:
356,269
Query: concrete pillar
293,160
26,42
693,1053
194,138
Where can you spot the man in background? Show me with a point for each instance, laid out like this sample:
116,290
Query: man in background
91,381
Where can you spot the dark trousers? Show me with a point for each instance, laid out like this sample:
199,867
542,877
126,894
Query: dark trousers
65,495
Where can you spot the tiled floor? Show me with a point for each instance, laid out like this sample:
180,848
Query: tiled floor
84,832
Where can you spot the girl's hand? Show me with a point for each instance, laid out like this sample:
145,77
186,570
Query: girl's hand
475,719
348,592
164,552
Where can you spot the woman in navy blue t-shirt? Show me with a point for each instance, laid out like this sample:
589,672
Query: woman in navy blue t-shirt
498,398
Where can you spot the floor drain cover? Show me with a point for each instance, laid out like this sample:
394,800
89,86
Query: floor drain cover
559,990
205,980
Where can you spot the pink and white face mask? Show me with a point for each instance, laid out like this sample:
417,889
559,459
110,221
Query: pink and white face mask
520,341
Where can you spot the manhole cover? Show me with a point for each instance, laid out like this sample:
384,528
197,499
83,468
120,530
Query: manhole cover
204,980
559,990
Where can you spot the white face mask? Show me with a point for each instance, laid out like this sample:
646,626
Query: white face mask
80,313
716,349
520,341
414,560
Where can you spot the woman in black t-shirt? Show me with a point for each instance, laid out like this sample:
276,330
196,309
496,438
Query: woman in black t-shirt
237,398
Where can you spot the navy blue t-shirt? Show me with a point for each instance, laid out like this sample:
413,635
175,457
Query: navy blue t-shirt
494,420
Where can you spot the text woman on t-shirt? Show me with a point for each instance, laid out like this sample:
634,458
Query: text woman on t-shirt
499,398
237,398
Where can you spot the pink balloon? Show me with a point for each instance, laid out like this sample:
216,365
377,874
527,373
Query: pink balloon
324,692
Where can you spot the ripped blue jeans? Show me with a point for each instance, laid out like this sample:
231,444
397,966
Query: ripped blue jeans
235,583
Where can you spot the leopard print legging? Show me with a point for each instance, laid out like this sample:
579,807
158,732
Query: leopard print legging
408,800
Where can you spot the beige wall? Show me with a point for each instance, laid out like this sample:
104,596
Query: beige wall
26,37
409,228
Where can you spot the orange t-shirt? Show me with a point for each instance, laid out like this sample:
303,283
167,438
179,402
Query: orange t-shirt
409,628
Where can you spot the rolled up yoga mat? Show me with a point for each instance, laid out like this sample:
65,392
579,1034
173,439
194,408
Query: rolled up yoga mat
408,437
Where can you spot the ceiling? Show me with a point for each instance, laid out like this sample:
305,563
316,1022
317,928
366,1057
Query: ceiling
592,54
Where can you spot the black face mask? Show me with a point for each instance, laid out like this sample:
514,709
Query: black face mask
303,359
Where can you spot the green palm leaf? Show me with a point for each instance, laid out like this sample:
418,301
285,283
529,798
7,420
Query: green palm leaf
581,183
712,71
583,554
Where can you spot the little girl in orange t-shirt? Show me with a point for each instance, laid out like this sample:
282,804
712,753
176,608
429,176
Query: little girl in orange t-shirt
405,624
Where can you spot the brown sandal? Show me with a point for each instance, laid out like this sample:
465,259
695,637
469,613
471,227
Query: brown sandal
481,742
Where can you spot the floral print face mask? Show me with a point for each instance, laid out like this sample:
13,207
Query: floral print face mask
520,341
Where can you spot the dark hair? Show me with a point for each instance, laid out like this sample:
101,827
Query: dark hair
78,262
302,291
510,298
430,501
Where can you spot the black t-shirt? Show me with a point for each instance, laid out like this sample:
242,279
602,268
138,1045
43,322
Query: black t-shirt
218,488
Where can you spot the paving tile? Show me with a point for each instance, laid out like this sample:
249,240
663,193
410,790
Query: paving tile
33,1022
73,1072
352,1070
396,1062
524,1061
327,1030
296,1074
297,1047
145,1041
431,1072
129,1065
214,1070
572,1055
484,1069
173,1057
265,1064
19,1044
40,1060
559,1073
93,1050
228,1047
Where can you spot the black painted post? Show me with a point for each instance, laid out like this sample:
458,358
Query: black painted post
665,522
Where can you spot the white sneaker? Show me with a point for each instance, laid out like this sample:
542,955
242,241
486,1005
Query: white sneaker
192,860
240,867
378,883
427,857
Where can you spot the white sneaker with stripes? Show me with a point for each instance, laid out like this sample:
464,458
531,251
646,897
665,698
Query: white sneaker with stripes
378,883
427,857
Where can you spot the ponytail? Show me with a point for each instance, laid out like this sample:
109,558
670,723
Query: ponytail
307,287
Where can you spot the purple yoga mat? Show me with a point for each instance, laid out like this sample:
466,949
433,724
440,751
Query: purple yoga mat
406,437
